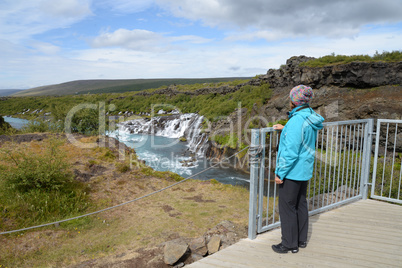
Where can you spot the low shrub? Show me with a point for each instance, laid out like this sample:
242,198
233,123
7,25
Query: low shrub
393,56
36,185
122,167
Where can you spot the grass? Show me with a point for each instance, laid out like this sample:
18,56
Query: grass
394,56
115,86
36,185
212,106
193,208
388,177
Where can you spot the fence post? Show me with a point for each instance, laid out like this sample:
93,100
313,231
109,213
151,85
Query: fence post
253,159
368,140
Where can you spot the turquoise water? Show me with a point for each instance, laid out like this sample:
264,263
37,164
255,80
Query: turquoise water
16,122
166,154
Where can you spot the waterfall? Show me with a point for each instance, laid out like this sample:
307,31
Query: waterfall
197,141
171,126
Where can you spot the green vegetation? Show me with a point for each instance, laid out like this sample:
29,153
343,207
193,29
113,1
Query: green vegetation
282,122
212,106
387,177
36,185
229,140
394,56
115,86
4,126
99,238
193,87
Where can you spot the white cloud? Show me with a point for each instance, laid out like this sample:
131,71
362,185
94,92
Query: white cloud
125,6
69,9
255,35
295,18
205,61
45,48
297,27
20,20
193,39
143,40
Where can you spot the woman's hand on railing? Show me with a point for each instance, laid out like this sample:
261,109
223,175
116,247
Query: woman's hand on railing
278,127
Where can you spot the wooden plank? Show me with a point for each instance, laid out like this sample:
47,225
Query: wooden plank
302,259
366,233
341,251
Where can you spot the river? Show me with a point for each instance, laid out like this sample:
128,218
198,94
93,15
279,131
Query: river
166,154
17,123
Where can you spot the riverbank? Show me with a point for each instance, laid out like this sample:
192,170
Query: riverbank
135,233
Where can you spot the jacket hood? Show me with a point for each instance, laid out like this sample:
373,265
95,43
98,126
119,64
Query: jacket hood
312,118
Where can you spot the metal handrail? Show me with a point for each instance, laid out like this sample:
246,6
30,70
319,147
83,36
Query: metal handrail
341,171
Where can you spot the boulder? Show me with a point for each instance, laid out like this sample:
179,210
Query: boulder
198,246
196,257
174,251
214,244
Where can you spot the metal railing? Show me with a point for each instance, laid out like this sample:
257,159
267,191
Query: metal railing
387,171
341,171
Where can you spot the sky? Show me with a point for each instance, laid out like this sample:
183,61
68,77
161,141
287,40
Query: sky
45,42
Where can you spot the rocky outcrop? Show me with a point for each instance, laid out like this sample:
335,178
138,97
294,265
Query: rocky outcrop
354,74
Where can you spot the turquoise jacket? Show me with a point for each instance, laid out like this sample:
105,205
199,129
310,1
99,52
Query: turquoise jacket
295,159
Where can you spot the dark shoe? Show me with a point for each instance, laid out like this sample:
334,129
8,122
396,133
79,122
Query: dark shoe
282,249
302,244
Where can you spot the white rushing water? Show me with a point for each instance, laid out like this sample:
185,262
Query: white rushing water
156,140
172,126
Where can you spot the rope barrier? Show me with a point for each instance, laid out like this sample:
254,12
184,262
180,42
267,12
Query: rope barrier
254,154
122,204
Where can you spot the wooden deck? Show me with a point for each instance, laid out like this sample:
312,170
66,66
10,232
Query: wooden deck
366,233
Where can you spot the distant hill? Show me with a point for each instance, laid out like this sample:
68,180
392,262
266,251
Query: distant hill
7,92
113,86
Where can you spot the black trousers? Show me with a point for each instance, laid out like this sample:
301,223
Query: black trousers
293,211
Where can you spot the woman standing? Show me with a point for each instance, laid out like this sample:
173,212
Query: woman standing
294,167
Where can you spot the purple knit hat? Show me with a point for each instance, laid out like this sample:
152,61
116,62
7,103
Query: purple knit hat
301,94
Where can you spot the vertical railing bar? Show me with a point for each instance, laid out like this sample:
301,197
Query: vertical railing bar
321,161
366,158
315,169
357,173
360,169
261,181
351,161
335,165
339,166
325,168
357,160
377,145
308,187
253,188
400,178
393,161
274,205
343,164
330,165
347,167
385,157
269,174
